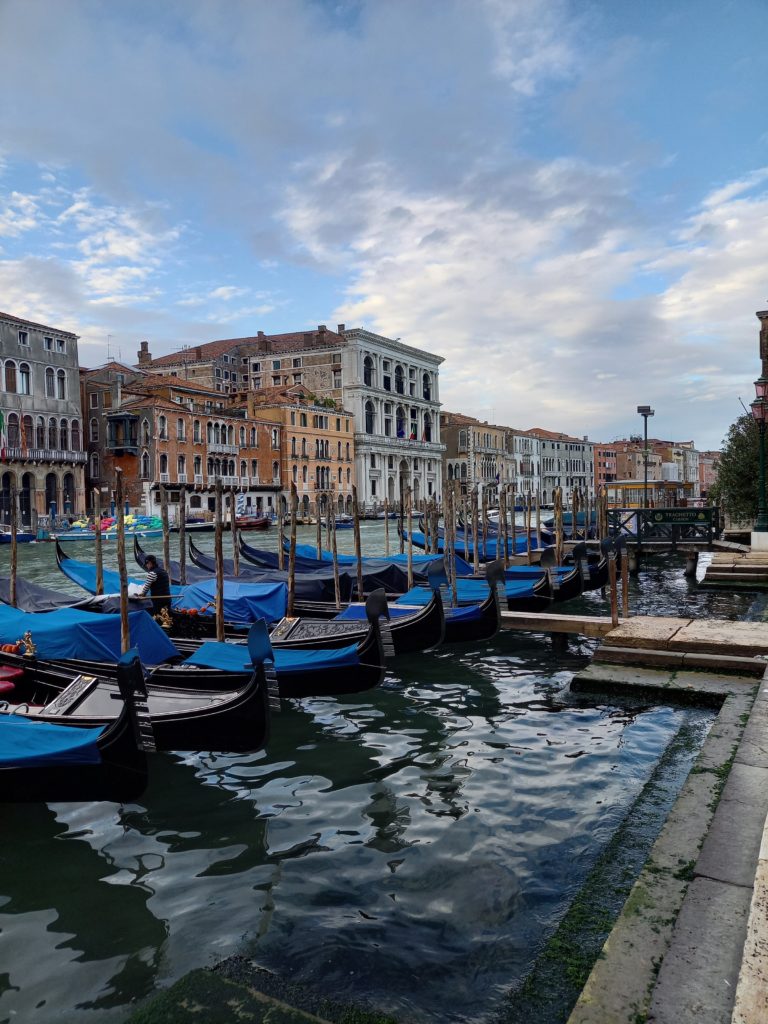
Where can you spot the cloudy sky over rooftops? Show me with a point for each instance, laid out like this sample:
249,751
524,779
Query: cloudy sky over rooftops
568,201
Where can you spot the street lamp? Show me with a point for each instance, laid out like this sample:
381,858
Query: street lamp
646,411
760,413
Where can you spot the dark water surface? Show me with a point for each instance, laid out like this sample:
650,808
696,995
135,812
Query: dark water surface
414,846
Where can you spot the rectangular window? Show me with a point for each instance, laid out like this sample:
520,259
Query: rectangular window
276,381
94,401
336,358
297,378
337,378
297,361
256,367
23,337
275,364
107,399
48,344
257,382
61,345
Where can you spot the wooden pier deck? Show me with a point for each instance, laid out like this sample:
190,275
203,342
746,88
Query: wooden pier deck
660,642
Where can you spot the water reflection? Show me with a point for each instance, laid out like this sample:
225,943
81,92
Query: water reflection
414,845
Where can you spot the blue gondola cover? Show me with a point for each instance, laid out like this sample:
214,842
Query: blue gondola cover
235,658
90,636
30,744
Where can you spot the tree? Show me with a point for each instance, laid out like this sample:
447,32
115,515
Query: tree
736,488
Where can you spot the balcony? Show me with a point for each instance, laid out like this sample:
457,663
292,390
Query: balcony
398,444
43,455
198,478
254,481
243,481
222,449
165,478
182,478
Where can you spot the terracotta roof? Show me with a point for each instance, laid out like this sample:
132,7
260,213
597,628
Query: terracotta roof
553,435
292,342
31,323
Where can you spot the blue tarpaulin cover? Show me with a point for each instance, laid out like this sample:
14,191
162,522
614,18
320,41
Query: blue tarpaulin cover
419,561
84,574
31,744
243,602
475,591
357,611
235,658
91,636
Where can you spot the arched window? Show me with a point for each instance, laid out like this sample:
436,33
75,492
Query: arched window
61,384
63,435
426,386
216,433
369,417
338,451
163,463
275,473
50,383
209,433
368,374
304,474
75,439
40,432
162,428
180,432
254,439
10,376
25,379
181,464
29,432
198,465
400,421
230,435
94,434
53,433
303,419
399,380
145,432
196,430
427,427
242,438
94,466
243,468
13,430
450,471
254,469
295,472
462,439
145,465
275,437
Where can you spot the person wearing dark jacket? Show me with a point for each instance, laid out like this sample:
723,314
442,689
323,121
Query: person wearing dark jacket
158,585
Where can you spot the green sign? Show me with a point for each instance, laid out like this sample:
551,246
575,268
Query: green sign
680,516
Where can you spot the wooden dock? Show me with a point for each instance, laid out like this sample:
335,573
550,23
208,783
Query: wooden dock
737,570
659,642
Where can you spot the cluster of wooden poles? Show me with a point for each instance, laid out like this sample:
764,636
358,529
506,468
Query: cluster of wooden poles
473,511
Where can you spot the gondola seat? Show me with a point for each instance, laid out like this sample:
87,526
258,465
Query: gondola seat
8,679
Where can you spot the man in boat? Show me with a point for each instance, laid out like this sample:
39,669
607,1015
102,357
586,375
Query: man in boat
158,585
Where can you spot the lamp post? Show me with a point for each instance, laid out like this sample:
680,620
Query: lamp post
645,411
760,413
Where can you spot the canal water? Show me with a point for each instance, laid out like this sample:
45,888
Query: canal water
411,848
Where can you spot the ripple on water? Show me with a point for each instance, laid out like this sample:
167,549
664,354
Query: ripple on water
414,845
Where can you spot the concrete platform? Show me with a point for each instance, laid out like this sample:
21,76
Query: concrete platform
691,944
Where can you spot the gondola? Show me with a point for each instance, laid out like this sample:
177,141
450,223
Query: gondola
253,522
183,718
306,557
299,673
41,761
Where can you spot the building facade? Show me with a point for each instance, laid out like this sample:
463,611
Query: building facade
476,455
172,434
42,425
566,462
390,389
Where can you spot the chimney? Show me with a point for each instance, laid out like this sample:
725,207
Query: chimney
321,329
340,328
260,335
145,356
198,355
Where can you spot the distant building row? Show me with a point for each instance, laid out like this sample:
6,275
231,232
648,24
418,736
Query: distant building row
324,410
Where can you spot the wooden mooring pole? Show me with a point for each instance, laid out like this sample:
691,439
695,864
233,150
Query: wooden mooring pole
613,589
166,529
292,549
125,629
182,537
386,527
98,541
14,544
358,549
218,547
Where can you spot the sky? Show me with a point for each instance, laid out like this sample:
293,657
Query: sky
566,200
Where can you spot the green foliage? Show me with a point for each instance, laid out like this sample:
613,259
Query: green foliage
738,473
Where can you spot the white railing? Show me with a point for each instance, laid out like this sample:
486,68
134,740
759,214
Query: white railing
198,478
223,449
243,481
165,478
182,478
45,455
254,481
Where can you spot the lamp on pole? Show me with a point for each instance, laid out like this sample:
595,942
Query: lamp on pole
645,411
760,413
